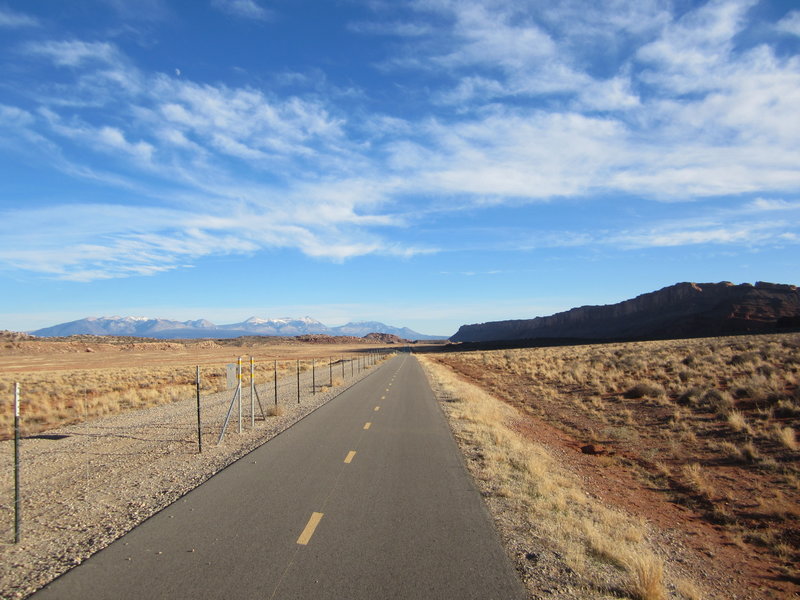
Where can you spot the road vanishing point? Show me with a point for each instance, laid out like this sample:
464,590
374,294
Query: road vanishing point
367,497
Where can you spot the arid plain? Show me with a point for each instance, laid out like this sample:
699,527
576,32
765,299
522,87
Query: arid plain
680,452
67,380
644,470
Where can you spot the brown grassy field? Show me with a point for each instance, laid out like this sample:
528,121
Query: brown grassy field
542,509
75,379
708,426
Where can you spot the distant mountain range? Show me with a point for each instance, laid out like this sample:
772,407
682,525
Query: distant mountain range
201,328
680,310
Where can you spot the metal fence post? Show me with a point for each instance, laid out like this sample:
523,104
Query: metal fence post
276,383
17,506
239,387
252,394
199,430
298,381
313,376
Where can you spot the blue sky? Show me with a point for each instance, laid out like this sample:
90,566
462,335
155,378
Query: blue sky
424,163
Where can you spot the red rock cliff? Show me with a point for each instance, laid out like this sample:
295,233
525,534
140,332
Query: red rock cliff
681,310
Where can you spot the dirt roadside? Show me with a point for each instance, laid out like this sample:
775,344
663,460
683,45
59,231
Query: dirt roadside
692,547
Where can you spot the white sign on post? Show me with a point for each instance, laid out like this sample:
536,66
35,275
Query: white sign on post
232,379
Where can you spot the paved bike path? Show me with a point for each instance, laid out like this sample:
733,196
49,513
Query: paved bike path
367,497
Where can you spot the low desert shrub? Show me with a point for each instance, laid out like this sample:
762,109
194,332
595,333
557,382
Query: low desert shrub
644,390
697,480
737,422
765,370
731,450
688,590
690,396
745,391
719,401
646,577
745,358
786,437
750,453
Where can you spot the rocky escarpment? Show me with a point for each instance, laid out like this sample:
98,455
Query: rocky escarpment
681,310
385,338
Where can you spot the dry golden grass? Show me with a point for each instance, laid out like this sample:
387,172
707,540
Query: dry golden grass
787,437
131,375
647,577
750,453
697,480
749,383
737,422
49,399
688,590
587,533
731,404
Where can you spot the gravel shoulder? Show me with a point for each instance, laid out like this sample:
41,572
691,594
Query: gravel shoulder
85,485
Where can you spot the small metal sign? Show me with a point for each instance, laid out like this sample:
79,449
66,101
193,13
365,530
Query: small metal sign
231,372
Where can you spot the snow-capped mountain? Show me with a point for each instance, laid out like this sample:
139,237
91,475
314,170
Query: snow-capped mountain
133,326
202,328
285,326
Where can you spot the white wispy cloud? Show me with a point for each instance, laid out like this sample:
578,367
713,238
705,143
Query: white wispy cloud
12,19
106,241
396,29
735,131
247,9
512,153
739,235
690,49
790,23
102,138
518,115
11,116
771,205
73,53
242,122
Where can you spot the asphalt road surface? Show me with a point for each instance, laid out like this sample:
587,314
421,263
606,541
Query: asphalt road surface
366,498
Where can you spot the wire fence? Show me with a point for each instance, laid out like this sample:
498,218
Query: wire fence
82,484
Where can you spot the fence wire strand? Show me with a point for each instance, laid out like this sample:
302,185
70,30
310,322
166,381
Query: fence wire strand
70,474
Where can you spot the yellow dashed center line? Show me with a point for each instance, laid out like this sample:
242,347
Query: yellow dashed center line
309,529
316,517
